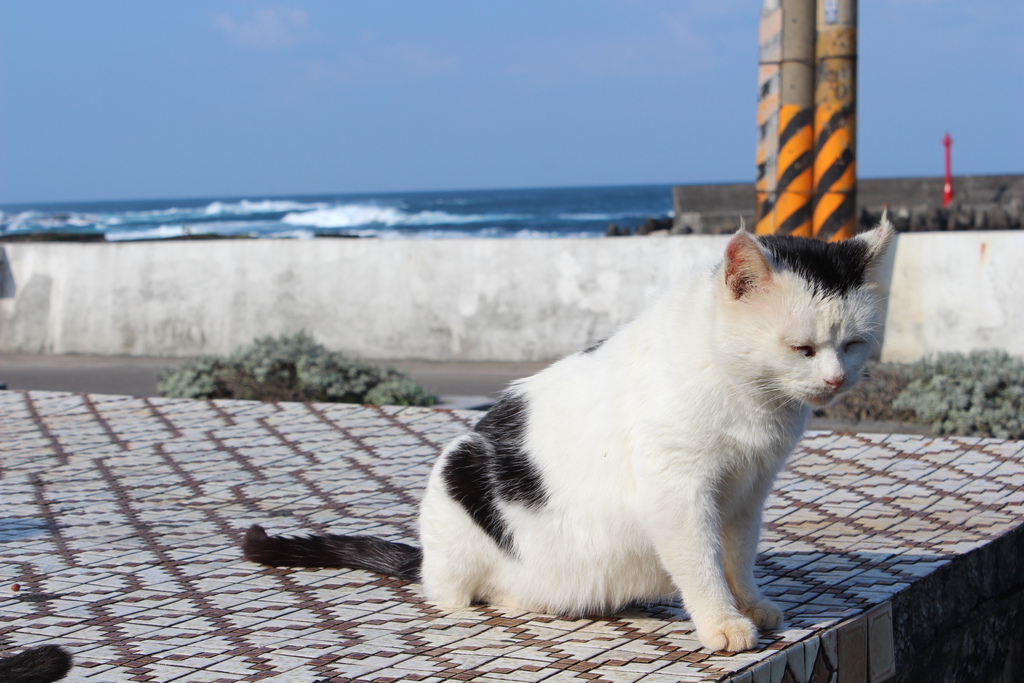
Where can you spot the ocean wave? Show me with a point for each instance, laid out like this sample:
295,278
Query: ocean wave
213,211
456,234
234,228
161,232
33,221
358,215
264,206
595,216
445,215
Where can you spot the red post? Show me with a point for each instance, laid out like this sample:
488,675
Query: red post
947,189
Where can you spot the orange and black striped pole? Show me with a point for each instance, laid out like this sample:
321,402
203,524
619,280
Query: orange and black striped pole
795,184
770,43
784,186
835,113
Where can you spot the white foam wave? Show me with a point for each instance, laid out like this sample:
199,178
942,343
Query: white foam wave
348,216
214,209
358,215
37,221
587,216
20,220
488,233
247,208
596,216
161,232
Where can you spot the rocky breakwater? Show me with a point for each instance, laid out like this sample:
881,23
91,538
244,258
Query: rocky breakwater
994,202
957,216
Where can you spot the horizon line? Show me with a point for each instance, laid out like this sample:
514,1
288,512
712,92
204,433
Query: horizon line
389,193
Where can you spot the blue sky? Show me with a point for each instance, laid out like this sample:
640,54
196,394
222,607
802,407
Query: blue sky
124,99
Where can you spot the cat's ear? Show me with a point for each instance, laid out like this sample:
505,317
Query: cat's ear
746,268
878,240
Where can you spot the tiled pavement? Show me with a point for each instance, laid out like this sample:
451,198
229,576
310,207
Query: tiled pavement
120,521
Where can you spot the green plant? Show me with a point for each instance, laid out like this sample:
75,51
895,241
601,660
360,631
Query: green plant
291,368
980,394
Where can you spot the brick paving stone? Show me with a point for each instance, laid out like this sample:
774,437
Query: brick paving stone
122,516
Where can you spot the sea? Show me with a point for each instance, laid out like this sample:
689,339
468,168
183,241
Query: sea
511,213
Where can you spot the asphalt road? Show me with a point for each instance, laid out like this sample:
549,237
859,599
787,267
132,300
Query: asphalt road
458,384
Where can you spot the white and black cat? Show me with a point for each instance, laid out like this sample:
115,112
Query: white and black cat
42,664
640,466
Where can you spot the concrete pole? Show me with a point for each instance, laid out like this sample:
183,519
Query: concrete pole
835,98
785,114
795,184
770,42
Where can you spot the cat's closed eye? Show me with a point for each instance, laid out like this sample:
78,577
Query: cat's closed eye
853,345
804,349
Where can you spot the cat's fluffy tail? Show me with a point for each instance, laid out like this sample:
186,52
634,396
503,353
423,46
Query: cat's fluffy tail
43,664
333,550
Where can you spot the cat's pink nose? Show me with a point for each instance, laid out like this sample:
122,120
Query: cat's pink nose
835,382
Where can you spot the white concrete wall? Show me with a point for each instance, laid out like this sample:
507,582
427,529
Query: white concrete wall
955,291
506,300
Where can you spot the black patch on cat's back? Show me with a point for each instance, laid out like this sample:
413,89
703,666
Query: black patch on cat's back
492,466
831,268
504,426
467,482
594,347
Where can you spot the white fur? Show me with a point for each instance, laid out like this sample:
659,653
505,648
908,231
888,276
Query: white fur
657,451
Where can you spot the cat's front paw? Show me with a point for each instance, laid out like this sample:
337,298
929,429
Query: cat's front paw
765,614
730,635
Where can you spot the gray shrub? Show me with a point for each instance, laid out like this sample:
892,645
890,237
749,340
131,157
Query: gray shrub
291,368
981,393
